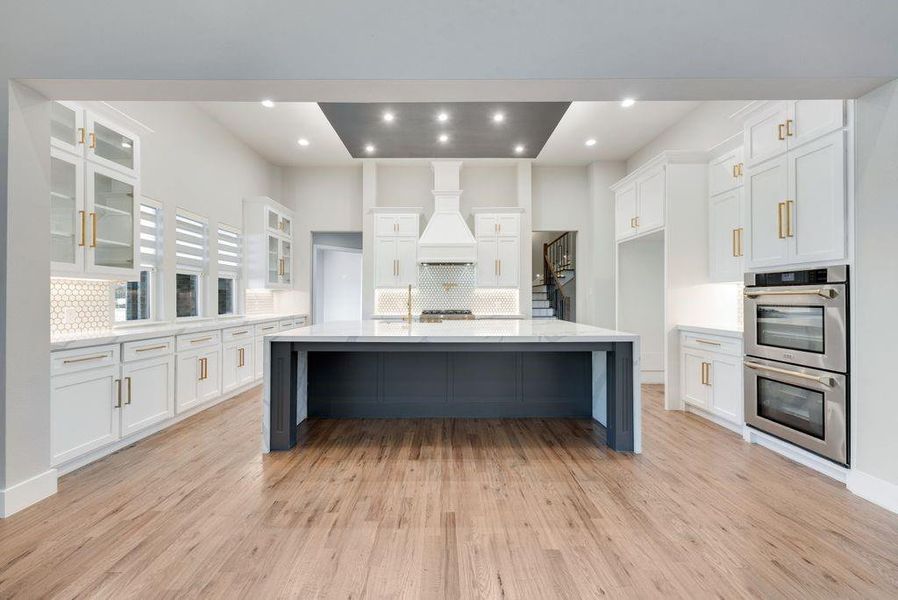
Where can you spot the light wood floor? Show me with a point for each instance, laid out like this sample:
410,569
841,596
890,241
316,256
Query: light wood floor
448,509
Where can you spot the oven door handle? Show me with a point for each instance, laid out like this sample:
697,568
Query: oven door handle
829,293
822,380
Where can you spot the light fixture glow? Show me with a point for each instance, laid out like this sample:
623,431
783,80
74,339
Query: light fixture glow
268,103
628,102
126,144
518,149
302,142
443,138
498,117
369,148
591,142
442,117
388,117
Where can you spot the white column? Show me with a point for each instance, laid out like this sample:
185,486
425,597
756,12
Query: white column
525,201
369,201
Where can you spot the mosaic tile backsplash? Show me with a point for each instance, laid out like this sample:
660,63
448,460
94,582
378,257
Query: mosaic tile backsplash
80,305
259,302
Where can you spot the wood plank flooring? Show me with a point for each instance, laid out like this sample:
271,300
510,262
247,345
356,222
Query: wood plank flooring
448,509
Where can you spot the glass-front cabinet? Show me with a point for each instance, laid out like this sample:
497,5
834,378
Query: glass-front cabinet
268,242
93,195
280,260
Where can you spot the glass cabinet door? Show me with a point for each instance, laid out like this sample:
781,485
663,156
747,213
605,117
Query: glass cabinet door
286,226
67,216
274,262
111,219
67,127
273,220
286,262
112,147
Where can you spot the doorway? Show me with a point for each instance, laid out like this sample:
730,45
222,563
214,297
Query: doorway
554,275
336,277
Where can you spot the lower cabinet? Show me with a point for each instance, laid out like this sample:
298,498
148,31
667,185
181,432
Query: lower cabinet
148,393
84,412
237,367
711,375
198,377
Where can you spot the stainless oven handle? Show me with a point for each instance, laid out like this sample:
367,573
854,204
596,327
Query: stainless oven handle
824,292
822,380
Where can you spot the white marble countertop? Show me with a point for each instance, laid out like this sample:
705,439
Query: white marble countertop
417,317
478,330
730,330
133,333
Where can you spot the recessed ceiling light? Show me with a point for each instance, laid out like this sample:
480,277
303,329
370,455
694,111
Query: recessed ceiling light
268,103
369,148
442,117
628,102
302,142
443,138
388,117
518,149
591,142
498,117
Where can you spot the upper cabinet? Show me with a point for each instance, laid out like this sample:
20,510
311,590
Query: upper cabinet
795,184
396,249
726,235
498,249
725,172
782,126
93,196
639,203
268,239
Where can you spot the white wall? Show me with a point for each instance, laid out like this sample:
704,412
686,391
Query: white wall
407,186
601,176
340,280
487,186
641,297
704,127
875,288
325,199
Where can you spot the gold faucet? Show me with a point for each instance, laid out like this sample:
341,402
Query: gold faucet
408,305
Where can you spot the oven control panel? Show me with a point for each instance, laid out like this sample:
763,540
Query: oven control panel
804,277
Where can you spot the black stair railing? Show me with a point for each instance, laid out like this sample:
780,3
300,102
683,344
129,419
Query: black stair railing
559,268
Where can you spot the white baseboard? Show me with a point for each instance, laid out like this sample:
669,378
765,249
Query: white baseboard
734,427
799,455
652,376
24,494
876,490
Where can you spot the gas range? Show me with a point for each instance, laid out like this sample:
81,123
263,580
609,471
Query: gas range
437,316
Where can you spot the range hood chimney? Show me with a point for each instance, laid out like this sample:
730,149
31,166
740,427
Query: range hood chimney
446,239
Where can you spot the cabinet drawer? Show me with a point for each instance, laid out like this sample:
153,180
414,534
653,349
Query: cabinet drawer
300,322
72,361
711,343
142,349
284,325
198,340
237,333
267,328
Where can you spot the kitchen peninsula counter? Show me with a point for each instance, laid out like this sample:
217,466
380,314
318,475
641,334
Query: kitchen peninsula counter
461,369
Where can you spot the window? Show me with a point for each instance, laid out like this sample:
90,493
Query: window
230,266
191,252
136,300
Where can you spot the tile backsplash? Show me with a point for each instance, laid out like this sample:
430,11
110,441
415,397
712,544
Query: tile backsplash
259,302
80,305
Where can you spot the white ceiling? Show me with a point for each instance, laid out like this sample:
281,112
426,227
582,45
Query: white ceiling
274,132
619,132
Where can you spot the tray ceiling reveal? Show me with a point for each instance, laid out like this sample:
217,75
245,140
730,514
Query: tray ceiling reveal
444,129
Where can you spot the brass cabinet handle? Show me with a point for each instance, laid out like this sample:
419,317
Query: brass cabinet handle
128,385
735,171
706,373
241,361
244,332
118,393
500,267
708,342
741,169
93,230
83,216
93,140
781,131
81,133
735,243
779,220
741,244
149,348
637,221
789,127
496,267
198,340
790,232
69,361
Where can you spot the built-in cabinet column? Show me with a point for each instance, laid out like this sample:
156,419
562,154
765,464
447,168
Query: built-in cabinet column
396,249
498,249
726,235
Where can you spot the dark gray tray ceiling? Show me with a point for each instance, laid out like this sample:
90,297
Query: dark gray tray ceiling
415,130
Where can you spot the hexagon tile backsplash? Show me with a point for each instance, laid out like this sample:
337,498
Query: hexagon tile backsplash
80,305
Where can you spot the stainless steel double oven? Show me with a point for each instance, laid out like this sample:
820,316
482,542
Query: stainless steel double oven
796,364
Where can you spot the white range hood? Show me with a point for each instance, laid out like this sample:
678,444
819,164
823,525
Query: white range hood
447,239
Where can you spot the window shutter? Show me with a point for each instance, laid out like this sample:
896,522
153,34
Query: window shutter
150,237
230,251
191,243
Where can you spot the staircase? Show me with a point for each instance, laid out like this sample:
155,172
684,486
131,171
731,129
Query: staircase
542,308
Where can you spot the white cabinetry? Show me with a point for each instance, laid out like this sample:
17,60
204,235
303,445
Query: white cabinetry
711,376
639,202
94,187
268,235
796,205
726,235
498,249
148,393
237,358
782,126
725,172
396,250
199,369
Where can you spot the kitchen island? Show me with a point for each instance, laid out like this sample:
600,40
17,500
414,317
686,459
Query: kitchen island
459,369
